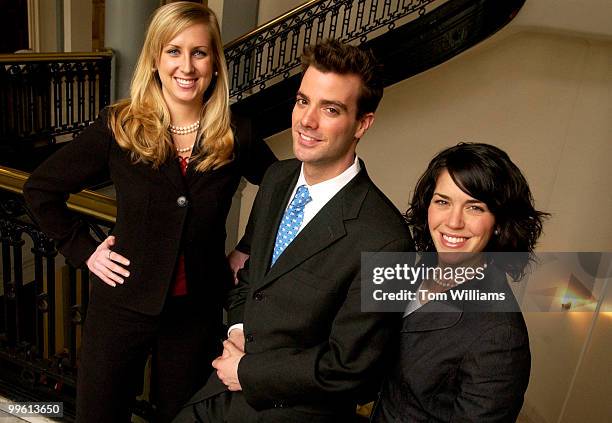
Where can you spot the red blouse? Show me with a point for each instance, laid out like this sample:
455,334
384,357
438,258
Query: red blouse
179,285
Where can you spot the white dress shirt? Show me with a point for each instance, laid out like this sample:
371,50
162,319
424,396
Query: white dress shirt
324,191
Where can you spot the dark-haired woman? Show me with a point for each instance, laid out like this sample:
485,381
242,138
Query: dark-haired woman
465,360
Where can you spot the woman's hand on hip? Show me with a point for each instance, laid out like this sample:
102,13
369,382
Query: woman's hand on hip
105,263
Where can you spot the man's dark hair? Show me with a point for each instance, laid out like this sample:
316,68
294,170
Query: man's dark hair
334,56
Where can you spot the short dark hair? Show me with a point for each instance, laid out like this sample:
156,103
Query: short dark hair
334,56
486,173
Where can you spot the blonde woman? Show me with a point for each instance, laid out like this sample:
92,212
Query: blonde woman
160,279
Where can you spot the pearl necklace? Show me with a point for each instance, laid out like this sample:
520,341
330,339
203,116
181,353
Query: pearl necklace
185,149
184,130
450,284
444,284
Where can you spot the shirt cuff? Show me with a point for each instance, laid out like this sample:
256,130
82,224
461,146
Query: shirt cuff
235,326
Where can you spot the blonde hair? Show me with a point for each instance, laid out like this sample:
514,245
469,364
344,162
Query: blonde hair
140,123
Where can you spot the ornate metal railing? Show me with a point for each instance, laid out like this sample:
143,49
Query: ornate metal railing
272,51
43,96
42,302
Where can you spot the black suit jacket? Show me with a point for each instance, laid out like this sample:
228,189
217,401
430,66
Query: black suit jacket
459,362
160,214
309,348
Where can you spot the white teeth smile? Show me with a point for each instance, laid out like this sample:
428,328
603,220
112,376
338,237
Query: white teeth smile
185,83
453,239
307,138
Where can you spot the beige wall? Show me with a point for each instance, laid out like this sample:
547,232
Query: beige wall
589,400
217,7
77,25
271,9
47,25
545,98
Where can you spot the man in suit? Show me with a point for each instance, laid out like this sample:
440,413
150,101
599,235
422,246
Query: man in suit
306,352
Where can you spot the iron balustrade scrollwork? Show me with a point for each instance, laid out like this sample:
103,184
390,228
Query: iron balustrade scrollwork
43,304
44,96
272,52
42,309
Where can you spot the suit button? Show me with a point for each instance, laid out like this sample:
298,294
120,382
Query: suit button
258,296
249,338
182,201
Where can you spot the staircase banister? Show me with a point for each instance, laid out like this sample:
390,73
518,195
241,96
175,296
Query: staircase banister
54,57
263,28
86,202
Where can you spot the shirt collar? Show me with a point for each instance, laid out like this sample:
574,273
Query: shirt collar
327,189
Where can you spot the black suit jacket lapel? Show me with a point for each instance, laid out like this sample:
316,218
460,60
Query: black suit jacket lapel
278,200
172,171
433,316
323,230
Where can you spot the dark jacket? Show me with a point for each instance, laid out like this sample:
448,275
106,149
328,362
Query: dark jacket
460,361
159,214
310,350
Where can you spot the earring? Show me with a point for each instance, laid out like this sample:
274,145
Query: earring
216,73
496,232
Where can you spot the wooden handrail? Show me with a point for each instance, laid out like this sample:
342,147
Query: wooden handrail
53,57
86,202
267,25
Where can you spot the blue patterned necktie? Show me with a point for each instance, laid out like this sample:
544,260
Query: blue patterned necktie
292,219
